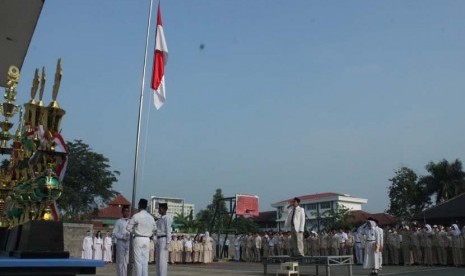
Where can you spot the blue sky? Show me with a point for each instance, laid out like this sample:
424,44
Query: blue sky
287,97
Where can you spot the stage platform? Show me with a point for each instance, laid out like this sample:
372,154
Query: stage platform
326,261
65,267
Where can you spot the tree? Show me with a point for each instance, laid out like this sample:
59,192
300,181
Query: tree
337,218
205,216
445,181
187,223
244,225
87,183
407,196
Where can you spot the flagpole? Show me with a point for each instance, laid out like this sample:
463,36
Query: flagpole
134,182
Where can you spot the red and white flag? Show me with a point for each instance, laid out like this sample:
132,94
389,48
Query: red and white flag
159,60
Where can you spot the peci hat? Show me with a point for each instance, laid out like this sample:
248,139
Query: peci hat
163,206
297,199
143,203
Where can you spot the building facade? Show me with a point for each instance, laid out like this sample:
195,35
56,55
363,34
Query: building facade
317,208
175,206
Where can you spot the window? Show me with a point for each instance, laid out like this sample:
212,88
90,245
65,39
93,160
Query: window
325,205
311,206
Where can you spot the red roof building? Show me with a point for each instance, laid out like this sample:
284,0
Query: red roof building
108,215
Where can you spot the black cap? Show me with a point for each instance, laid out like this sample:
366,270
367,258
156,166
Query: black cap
297,199
143,203
163,206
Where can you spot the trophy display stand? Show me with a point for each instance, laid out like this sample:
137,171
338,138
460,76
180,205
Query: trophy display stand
39,239
31,236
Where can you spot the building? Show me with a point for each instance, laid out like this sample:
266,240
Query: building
175,206
266,221
445,213
318,207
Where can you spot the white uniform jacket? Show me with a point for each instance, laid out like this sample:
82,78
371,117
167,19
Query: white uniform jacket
299,219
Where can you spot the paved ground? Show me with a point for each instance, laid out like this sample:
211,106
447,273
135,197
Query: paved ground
234,269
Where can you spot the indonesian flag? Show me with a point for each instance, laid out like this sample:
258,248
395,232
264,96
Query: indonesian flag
159,60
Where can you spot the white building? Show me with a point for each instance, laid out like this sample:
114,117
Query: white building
175,206
317,207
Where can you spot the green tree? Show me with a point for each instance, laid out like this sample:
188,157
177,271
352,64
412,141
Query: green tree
187,223
407,196
445,181
337,218
87,183
244,225
205,216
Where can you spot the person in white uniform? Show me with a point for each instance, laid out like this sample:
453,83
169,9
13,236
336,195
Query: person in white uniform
107,243
295,222
87,246
98,246
122,242
372,244
141,226
163,240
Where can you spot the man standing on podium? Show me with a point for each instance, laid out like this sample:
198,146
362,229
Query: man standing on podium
295,222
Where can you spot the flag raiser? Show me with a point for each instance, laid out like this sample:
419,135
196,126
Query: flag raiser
159,60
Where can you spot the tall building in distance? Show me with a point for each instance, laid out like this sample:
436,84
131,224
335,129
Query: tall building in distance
175,206
318,207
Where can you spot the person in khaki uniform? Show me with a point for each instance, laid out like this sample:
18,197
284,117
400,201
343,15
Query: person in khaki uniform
442,245
435,248
406,246
280,246
207,249
324,244
349,250
394,246
334,245
427,242
315,244
456,245
257,245
266,245
244,252
188,247
196,248
172,250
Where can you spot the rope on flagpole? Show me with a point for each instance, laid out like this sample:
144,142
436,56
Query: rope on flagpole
145,144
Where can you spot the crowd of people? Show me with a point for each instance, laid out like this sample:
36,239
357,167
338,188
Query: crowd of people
371,245
407,245
185,249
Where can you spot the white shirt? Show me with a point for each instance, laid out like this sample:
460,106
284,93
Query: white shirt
164,228
142,224
343,237
120,232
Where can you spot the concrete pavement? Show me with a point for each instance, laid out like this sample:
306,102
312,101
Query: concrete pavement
226,268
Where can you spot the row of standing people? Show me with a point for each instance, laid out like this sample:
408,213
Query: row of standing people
437,245
184,249
97,248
